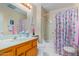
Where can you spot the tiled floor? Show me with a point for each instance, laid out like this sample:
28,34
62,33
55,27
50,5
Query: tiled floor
46,49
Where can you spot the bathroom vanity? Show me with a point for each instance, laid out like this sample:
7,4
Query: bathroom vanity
26,47
15,37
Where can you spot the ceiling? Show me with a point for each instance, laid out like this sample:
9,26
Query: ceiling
54,6
9,6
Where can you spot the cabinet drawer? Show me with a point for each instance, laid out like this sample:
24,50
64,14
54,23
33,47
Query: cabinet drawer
24,48
35,42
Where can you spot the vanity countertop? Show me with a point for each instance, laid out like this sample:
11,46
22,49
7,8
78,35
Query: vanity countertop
9,43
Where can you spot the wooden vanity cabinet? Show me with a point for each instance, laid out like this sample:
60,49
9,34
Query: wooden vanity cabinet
22,48
33,51
22,54
7,52
28,48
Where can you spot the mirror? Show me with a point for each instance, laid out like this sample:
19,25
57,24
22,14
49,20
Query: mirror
11,19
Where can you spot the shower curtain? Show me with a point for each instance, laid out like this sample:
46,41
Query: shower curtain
67,25
21,25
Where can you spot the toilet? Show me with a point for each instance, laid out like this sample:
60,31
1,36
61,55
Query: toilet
69,51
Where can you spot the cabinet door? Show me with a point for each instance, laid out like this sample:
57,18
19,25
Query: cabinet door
23,47
7,52
32,52
35,42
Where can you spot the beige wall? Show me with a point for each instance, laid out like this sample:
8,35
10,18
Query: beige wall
37,20
44,22
7,12
40,21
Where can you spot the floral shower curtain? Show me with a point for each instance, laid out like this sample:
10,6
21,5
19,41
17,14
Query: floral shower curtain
67,29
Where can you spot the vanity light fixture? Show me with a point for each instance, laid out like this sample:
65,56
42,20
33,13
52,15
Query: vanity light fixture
29,6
